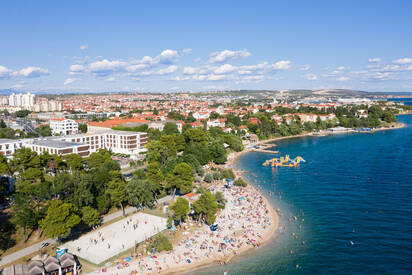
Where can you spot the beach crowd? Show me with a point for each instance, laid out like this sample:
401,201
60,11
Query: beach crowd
241,225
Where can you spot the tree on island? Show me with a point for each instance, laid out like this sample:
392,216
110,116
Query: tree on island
60,220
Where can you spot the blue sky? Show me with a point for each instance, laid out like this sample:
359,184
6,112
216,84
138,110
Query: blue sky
205,45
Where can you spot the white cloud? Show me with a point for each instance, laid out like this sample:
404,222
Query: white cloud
402,61
167,56
190,70
223,56
69,81
304,68
31,72
84,47
214,77
5,72
106,67
310,76
186,51
343,78
375,60
110,79
169,70
254,77
224,69
197,60
281,65
137,67
76,69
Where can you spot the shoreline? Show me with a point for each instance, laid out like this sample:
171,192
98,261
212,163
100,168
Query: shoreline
269,233
245,205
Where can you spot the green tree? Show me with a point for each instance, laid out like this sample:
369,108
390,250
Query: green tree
206,207
60,219
74,161
154,174
90,216
2,124
240,182
24,215
160,243
22,113
208,178
82,195
83,128
116,189
170,129
182,178
180,142
140,192
220,199
196,135
217,152
180,210
4,166
44,130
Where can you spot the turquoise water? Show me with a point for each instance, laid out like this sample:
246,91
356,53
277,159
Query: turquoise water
353,204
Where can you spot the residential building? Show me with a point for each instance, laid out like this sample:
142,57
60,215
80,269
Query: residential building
63,126
216,123
58,147
9,146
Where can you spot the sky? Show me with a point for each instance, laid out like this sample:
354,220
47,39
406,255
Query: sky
169,46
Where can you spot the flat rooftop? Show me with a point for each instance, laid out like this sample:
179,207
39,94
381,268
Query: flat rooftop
55,143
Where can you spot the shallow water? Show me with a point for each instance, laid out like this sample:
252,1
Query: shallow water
352,200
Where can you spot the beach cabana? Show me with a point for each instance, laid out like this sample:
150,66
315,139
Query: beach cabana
16,269
68,265
51,259
36,270
52,268
65,256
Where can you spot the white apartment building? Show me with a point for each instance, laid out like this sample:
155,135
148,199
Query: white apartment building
64,126
216,123
9,146
22,100
121,142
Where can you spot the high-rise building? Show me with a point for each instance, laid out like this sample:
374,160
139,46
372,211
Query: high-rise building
22,100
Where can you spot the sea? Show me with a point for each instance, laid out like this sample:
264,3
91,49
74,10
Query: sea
352,200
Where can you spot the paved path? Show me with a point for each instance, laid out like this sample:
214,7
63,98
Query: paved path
36,247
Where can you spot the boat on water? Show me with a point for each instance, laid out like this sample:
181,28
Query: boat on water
285,161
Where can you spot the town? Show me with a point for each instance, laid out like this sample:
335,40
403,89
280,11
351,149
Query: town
124,176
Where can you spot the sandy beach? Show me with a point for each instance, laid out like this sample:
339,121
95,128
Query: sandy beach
247,222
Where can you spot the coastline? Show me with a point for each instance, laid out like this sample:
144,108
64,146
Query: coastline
245,205
269,233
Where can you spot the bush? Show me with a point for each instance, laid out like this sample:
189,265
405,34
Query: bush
240,182
208,178
217,176
227,173
160,243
